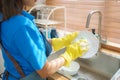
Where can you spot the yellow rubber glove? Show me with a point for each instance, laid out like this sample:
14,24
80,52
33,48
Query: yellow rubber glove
75,50
58,43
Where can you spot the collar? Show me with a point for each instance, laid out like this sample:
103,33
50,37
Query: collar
28,15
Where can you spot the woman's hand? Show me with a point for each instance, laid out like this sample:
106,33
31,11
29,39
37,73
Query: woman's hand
59,43
51,67
75,50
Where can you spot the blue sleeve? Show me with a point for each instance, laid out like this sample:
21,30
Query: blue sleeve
31,46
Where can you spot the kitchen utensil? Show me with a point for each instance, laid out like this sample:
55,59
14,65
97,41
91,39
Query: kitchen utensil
72,69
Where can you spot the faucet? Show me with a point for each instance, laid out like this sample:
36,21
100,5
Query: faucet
99,24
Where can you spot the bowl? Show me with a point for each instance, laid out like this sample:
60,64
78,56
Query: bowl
72,69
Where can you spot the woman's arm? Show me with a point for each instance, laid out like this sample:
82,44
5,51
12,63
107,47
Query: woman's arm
51,67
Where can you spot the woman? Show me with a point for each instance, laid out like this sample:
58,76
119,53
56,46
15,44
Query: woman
22,40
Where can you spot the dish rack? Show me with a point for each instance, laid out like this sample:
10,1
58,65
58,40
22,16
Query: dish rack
46,16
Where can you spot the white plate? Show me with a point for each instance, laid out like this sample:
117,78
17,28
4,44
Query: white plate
92,41
72,69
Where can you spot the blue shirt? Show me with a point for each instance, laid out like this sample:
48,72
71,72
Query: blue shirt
22,39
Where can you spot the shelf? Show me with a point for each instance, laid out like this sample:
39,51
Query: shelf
46,22
45,16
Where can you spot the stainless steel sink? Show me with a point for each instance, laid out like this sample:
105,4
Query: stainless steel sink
101,64
84,74
100,67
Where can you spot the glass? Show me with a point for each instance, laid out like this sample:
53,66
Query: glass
39,15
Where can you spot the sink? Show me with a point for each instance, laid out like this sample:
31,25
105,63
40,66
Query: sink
83,73
103,64
100,67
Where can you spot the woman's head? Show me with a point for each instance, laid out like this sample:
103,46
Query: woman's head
29,3
14,7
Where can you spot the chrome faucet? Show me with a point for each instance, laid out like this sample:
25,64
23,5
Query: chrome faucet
99,23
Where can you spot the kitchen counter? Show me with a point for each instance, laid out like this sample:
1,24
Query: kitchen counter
57,76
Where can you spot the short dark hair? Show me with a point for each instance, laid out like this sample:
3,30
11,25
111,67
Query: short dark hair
0,6
10,8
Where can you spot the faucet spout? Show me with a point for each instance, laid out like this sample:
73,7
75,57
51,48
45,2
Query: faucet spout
99,22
